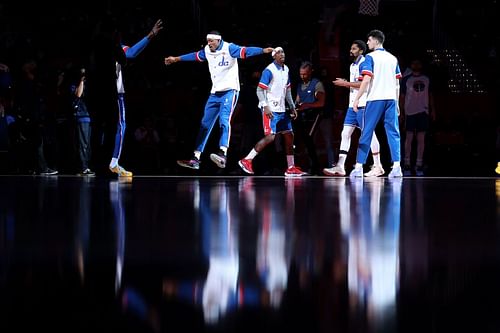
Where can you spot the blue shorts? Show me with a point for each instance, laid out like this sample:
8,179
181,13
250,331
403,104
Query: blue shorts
354,119
281,122
417,122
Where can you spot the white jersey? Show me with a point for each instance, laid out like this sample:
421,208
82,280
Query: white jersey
383,67
223,69
276,87
356,77
119,79
416,91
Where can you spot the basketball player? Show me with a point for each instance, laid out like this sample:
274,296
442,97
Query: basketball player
355,119
129,53
273,90
381,73
222,58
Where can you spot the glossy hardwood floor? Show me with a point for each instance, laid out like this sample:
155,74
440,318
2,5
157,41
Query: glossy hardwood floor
249,254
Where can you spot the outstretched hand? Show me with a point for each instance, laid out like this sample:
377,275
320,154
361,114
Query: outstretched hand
170,60
268,49
157,27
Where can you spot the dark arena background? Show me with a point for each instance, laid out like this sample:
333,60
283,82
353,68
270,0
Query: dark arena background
217,250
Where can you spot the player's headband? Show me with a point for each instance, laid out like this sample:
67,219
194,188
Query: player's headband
276,50
214,36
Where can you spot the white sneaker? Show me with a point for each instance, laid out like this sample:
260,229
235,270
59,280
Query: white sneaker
356,173
337,170
375,171
395,172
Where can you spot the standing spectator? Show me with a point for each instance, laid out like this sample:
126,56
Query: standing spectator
417,106
310,101
30,110
82,123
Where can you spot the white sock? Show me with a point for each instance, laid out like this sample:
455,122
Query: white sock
341,161
358,166
396,164
114,162
251,155
224,149
376,159
197,154
290,160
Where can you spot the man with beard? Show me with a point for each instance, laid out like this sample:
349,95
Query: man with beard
354,119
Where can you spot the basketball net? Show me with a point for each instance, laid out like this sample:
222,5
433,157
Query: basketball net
368,7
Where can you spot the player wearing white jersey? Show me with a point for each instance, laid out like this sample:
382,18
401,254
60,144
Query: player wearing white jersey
381,73
355,119
273,91
222,58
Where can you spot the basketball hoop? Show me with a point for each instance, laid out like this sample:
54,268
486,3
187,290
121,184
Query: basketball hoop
368,7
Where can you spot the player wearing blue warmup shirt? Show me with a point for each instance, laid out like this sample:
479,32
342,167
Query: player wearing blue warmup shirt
130,53
381,73
222,58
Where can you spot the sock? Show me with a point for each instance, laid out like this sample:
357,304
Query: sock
376,159
342,158
224,150
358,166
251,155
114,162
197,154
396,164
290,160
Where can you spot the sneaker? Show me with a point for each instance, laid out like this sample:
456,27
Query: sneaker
246,165
375,171
497,169
193,163
294,171
336,170
87,172
395,172
121,172
356,173
420,171
219,159
407,170
49,172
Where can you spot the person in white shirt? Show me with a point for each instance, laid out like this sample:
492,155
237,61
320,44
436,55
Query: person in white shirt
273,91
353,119
222,58
381,75
417,106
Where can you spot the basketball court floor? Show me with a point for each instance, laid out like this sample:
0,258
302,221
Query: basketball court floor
249,254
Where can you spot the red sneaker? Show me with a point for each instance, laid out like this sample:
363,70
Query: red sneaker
246,165
294,171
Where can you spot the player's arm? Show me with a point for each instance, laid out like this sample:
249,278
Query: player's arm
242,52
134,51
262,87
289,100
262,97
346,84
193,56
362,89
